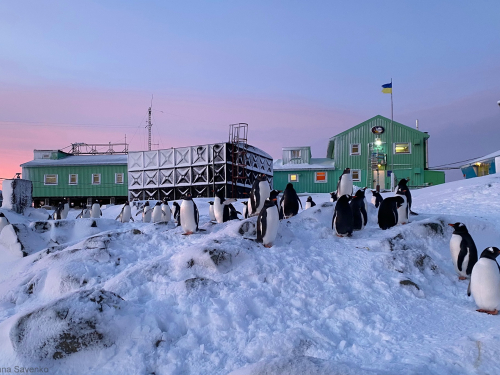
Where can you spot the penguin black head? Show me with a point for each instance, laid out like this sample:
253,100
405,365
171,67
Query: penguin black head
188,197
273,196
147,203
158,203
211,203
262,177
175,204
127,203
1,214
309,199
490,253
220,196
165,200
345,197
244,203
347,170
289,186
360,193
459,228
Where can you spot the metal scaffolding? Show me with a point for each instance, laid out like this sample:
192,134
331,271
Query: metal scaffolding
238,138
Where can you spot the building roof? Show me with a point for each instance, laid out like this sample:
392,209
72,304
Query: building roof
484,158
79,160
315,163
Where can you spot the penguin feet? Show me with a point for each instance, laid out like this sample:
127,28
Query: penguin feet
187,233
462,278
268,245
494,312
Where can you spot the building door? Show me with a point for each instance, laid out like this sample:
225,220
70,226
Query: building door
378,179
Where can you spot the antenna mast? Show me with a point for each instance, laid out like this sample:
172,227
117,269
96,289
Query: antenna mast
149,125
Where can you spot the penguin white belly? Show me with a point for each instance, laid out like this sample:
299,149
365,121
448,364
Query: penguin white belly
218,210
455,242
95,212
374,200
264,193
65,211
156,215
245,211
345,185
3,223
126,214
249,208
308,205
211,213
168,214
272,225
485,284
331,200
402,212
335,227
146,216
188,221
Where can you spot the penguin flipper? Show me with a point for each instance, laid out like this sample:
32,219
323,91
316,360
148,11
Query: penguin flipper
365,215
333,218
260,228
300,202
462,254
468,288
196,215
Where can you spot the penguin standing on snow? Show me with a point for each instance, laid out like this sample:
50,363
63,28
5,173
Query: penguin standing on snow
344,186
309,202
3,221
376,198
177,212
258,194
403,187
268,221
343,221
211,211
485,282
404,209
388,212
189,215
463,250
95,211
65,211
85,214
146,213
289,203
166,213
58,212
333,196
358,207
158,213
245,210
222,211
125,214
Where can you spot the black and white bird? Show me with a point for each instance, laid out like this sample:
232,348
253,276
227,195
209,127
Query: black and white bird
125,214
344,186
463,250
95,211
258,194
189,215
289,203
485,282
309,202
268,220
222,209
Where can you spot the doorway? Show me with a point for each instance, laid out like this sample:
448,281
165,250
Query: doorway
378,179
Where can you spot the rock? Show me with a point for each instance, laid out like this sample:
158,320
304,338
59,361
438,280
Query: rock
409,283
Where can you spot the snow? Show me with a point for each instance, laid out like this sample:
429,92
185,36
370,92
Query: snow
141,298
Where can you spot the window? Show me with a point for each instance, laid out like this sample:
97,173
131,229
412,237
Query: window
293,177
356,174
118,178
295,154
355,149
96,179
402,148
50,179
73,179
320,177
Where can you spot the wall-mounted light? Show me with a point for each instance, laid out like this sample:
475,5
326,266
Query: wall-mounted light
378,141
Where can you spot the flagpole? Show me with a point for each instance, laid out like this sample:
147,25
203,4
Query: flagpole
391,165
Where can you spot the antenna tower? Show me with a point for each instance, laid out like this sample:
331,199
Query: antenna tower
149,125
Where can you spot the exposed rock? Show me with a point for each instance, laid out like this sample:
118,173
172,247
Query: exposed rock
409,283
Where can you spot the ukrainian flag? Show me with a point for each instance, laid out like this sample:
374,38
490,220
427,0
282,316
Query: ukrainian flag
387,88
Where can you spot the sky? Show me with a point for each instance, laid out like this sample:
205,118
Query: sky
297,72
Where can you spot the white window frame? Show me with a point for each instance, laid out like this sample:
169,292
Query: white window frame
359,175
50,174
116,178
355,153
290,177
69,179
316,177
96,183
299,152
401,153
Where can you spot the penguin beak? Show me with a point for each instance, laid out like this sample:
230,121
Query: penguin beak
451,225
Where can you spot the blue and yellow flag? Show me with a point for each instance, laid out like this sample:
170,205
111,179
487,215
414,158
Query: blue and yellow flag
387,88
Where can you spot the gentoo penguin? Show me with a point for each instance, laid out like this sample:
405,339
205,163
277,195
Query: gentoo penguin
95,211
157,214
403,210
259,193
388,212
343,221
58,212
245,209
268,220
125,214
3,221
176,212
289,204
333,196
85,214
65,211
361,194
403,186
344,186
233,214
189,215
309,202
211,211
222,211
146,213
485,282
463,250
376,198
358,207
166,214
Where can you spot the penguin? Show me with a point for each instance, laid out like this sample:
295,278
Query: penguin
85,214
376,198
361,194
289,203
403,186
258,194
463,250
3,221
157,213
268,220
166,214
343,221
333,196
211,211
65,211
344,186
245,209
95,211
57,215
146,213
485,282
358,207
233,214
222,211
189,215
403,210
125,214
309,202
176,212
388,212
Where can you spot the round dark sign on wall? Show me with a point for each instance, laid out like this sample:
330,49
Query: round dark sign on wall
378,130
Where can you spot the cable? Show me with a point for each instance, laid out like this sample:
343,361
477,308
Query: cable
37,123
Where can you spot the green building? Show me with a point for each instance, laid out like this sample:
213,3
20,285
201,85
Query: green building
376,151
81,178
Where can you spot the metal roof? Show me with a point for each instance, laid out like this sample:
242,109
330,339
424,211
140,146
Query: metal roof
79,160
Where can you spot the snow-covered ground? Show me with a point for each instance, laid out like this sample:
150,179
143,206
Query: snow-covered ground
141,298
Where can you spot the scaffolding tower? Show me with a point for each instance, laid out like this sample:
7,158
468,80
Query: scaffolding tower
238,138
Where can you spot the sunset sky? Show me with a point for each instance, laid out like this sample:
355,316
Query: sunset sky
298,72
